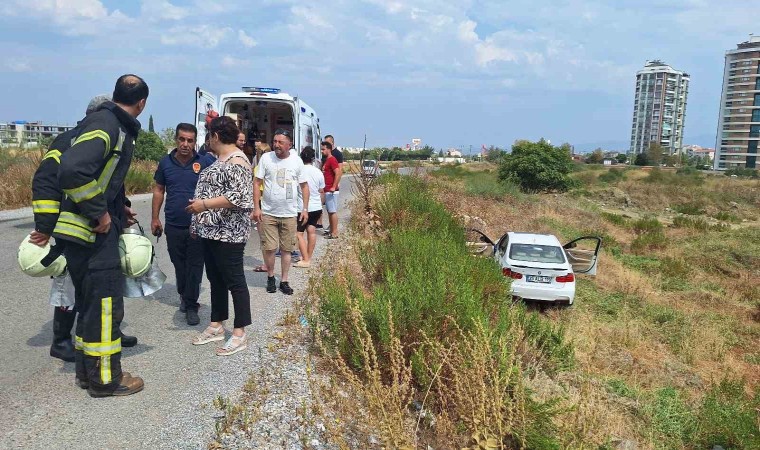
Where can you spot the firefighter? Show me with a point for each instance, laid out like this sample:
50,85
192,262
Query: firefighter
46,202
93,214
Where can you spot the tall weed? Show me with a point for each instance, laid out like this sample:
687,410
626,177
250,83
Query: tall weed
430,296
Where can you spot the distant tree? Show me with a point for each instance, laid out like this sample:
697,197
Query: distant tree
622,158
654,153
595,157
641,159
537,166
495,154
45,141
167,137
440,153
150,124
149,146
671,160
430,151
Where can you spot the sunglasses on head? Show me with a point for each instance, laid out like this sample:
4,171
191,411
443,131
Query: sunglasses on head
283,132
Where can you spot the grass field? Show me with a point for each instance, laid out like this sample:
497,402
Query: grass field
672,322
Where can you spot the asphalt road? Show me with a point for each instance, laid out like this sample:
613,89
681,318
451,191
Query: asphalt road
41,408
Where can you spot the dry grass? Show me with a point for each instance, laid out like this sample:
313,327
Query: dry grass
644,326
17,169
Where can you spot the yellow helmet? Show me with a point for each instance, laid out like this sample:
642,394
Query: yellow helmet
30,258
135,252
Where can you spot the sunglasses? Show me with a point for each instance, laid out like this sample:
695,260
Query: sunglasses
283,132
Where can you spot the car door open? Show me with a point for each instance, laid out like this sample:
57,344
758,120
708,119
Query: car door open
583,254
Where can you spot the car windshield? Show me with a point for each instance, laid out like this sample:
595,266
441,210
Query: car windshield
537,253
369,164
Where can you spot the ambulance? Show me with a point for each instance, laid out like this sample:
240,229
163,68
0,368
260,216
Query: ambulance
260,111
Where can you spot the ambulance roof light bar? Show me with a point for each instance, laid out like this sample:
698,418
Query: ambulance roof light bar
261,90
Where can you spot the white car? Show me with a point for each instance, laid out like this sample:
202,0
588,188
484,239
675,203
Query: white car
541,268
370,168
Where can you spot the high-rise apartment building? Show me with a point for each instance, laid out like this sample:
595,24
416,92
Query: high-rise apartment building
659,109
739,118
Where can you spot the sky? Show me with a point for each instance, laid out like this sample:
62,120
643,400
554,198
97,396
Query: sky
454,73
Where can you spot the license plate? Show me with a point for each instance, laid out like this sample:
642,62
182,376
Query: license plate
537,279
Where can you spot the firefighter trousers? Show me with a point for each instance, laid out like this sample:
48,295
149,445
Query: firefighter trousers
99,286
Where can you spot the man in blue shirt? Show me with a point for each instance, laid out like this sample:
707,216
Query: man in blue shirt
176,177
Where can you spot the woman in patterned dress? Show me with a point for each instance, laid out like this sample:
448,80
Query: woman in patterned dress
221,218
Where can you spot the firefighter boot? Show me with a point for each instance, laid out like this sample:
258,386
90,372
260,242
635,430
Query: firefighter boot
63,322
127,385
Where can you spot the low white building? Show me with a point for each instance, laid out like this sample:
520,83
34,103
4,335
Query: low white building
28,134
698,151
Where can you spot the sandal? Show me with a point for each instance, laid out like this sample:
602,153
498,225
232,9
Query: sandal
261,268
233,345
302,264
210,334
330,236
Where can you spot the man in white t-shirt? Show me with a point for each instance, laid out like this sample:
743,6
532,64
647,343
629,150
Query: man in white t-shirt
281,172
316,181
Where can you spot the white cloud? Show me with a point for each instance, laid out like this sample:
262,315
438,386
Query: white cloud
204,36
229,61
246,40
157,10
72,17
17,66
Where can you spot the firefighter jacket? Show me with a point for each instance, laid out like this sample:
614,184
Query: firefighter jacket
92,173
46,194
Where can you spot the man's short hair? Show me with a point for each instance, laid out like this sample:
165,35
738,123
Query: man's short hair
327,144
284,132
96,102
188,127
308,154
130,89
329,136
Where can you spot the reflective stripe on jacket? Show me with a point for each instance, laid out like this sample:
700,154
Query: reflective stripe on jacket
92,172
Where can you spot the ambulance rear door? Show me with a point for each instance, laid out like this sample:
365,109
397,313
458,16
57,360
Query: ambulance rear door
204,103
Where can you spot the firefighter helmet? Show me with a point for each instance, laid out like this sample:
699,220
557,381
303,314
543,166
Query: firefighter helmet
31,256
135,252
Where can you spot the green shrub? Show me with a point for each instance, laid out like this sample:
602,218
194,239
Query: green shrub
538,166
727,217
488,186
672,421
621,389
586,178
138,181
140,177
742,172
692,209
687,170
647,225
656,175
612,176
647,242
616,219
728,417
451,171
149,147
698,223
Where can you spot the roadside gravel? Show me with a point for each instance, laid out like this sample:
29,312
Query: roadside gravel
41,408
